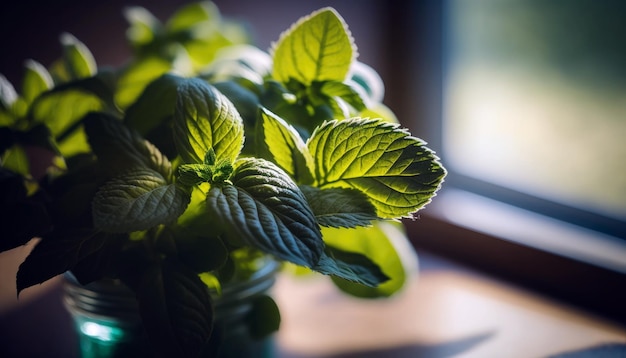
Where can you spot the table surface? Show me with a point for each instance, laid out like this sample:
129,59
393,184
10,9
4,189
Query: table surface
445,311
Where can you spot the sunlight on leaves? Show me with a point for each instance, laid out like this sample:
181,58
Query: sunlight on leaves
318,47
281,144
396,171
205,119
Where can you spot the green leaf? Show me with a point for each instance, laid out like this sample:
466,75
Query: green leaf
62,110
396,171
246,101
265,209
155,105
100,85
344,91
193,14
38,136
143,25
202,253
340,207
7,94
319,47
137,200
79,61
16,160
194,174
205,119
101,262
264,317
386,245
36,81
381,111
119,148
350,266
280,143
57,253
175,308
239,62
136,76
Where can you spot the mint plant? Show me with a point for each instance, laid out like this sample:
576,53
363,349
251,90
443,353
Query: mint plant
177,172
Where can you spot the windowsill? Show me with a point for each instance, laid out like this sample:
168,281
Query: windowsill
524,227
554,259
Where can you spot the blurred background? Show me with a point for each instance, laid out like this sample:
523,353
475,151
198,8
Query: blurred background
523,100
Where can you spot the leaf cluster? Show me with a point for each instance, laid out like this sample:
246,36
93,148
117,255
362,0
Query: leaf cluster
184,170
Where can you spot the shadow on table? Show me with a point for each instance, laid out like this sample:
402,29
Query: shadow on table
448,349
613,350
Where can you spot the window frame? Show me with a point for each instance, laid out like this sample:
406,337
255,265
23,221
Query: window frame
419,95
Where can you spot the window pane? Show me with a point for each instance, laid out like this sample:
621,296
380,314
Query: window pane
535,98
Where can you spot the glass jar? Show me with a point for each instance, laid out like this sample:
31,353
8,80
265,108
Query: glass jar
107,321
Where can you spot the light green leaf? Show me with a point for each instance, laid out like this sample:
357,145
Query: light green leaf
265,209
344,91
396,171
143,25
62,110
36,80
386,245
319,47
278,142
340,207
74,143
119,148
138,200
350,266
79,61
379,110
136,76
193,14
16,160
205,119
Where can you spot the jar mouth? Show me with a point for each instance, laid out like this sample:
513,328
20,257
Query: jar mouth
107,296
103,300
258,283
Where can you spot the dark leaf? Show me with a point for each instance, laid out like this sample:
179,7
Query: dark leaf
120,148
57,253
266,209
264,318
202,253
137,200
176,309
100,263
22,221
155,106
340,207
350,266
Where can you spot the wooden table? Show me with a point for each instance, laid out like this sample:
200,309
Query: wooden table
446,310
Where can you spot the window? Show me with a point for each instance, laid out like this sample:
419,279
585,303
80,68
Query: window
534,116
